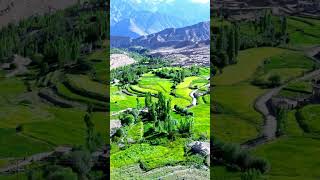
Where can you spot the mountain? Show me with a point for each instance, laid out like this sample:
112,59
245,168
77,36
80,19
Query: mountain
170,37
143,23
175,37
134,18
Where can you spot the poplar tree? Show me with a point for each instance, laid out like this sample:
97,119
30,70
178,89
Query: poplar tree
231,47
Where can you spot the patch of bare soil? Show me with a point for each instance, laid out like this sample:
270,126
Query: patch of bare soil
185,56
20,66
119,60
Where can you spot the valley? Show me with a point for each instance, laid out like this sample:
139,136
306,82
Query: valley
53,95
261,95
160,101
143,137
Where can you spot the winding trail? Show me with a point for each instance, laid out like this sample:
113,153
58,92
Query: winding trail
269,128
193,96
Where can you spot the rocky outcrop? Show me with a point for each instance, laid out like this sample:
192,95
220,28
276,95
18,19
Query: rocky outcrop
199,147
114,125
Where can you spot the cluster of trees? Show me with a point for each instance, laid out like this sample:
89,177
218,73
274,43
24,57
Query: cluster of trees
268,30
170,73
54,38
272,81
182,111
159,114
228,39
129,74
238,158
130,117
226,46
177,75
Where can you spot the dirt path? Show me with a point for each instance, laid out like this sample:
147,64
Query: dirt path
194,98
119,112
18,165
270,122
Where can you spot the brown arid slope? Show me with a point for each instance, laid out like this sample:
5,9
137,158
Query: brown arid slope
11,11
241,9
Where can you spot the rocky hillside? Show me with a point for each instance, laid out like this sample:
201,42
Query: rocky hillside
175,37
171,37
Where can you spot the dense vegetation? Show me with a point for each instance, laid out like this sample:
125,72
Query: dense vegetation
46,103
156,122
229,38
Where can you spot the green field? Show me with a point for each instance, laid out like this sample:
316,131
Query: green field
159,152
234,93
293,155
303,31
311,114
44,126
299,146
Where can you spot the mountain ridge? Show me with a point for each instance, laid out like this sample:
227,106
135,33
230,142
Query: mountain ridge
135,18
170,37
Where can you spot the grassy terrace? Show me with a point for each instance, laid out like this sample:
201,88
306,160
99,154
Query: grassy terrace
303,31
292,156
235,94
300,146
172,152
44,125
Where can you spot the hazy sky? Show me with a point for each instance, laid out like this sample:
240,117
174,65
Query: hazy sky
170,1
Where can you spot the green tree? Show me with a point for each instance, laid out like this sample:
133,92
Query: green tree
232,47
275,80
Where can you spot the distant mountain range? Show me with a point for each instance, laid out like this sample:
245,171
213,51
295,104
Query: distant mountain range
134,18
170,37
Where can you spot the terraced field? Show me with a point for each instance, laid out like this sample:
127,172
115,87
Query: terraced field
236,96
33,118
143,159
300,146
240,85
303,31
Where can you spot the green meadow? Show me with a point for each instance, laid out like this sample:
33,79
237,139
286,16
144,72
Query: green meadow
152,152
237,86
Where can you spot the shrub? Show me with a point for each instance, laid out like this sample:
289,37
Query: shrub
182,111
196,160
127,119
81,161
203,137
251,174
62,174
275,80
281,121
302,121
119,133
186,126
260,164
19,128
12,66
237,158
